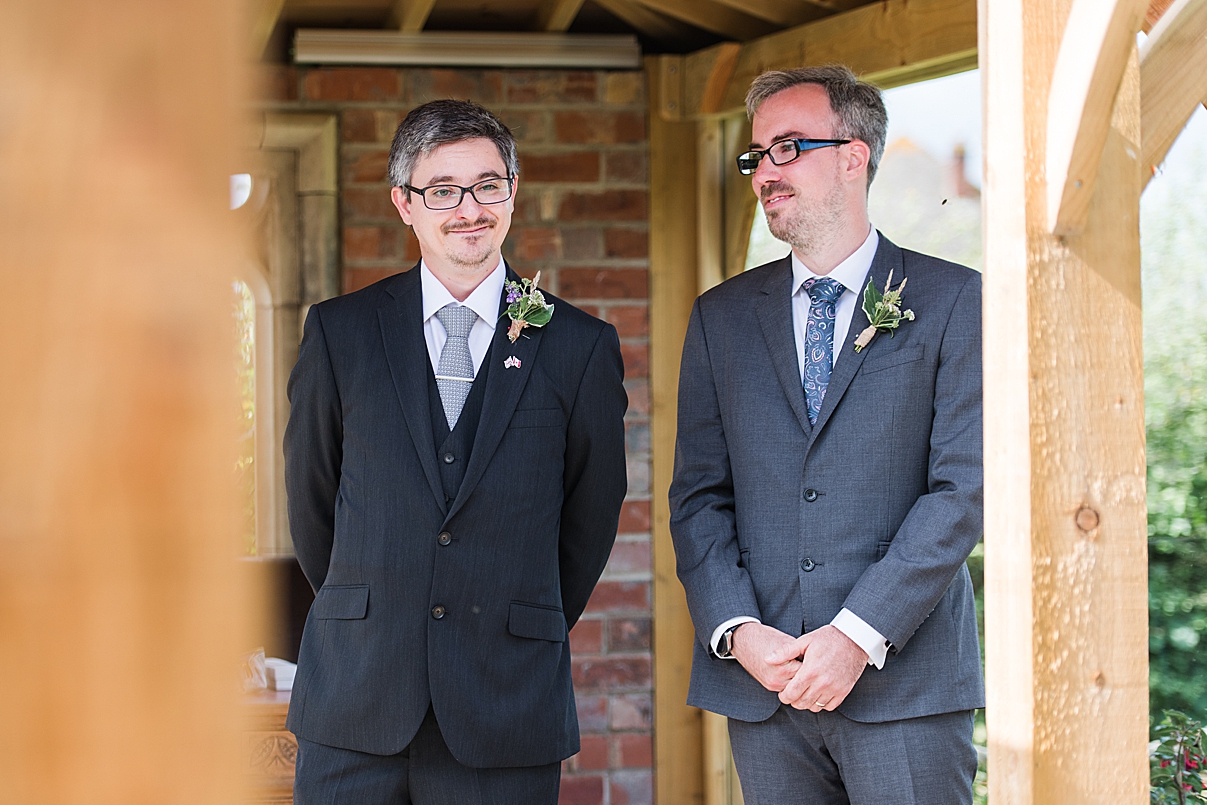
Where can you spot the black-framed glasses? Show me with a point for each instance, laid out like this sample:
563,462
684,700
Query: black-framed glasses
448,196
782,152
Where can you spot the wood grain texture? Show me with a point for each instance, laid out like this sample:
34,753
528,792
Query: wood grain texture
409,16
711,16
557,15
642,19
677,727
264,20
1173,79
783,13
706,76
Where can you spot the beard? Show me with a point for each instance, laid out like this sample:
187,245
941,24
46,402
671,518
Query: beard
472,253
807,226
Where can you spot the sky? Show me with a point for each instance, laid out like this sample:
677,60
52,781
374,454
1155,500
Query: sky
938,115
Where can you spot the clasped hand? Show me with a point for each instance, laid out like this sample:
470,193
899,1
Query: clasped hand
813,672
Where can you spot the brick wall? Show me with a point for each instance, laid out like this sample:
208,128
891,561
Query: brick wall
581,219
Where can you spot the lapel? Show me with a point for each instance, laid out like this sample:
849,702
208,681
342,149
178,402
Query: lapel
406,353
888,257
503,388
774,311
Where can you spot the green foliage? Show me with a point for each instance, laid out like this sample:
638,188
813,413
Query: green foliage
1176,761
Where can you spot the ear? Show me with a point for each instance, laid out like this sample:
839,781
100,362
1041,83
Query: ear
402,201
515,188
859,156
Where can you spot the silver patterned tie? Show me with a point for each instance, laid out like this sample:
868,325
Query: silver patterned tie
455,374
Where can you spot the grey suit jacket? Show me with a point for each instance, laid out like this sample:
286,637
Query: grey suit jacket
875,508
527,535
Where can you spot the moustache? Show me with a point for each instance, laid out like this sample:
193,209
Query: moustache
484,221
772,189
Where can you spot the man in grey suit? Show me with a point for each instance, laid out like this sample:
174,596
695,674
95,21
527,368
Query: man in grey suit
455,467
825,496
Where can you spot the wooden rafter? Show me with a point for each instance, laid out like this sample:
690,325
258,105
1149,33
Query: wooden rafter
1173,78
783,13
712,17
1093,55
409,16
266,15
1156,9
557,15
641,19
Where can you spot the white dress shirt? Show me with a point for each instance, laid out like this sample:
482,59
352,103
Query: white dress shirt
852,273
485,300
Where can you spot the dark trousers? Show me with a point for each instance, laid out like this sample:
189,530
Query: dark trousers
425,773
797,756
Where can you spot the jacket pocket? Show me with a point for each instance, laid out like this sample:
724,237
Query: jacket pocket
538,418
536,622
882,548
341,602
894,358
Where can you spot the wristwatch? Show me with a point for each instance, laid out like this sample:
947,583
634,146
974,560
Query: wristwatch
725,643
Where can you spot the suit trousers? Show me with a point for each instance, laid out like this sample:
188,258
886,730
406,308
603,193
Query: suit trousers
825,758
425,773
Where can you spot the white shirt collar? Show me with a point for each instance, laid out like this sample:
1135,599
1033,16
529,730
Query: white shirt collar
851,272
483,300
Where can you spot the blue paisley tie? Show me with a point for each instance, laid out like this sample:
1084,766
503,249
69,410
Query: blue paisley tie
819,340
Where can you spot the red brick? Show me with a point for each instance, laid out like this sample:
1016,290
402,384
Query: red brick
582,243
633,787
636,436
630,243
535,243
369,203
590,310
625,88
551,86
638,390
631,321
629,557
526,126
608,205
581,790
410,246
592,712
632,711
369,125
370,243
604,283
636,359
634,514
636,751
605,128
611,673
587,637
620,596
594,754
277,82
357,278
353,84
630,634
483,86
626,166
569,166
366,166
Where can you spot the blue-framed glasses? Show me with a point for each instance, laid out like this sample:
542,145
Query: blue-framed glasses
782,152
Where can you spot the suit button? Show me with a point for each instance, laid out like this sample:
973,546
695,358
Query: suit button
437,612
807,564
449,458
445,538
810,495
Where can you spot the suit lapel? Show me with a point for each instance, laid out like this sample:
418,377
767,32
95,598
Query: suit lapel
888,257
406,353
504,385
774,311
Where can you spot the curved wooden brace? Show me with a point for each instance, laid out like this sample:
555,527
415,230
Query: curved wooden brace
1093,53
1173,78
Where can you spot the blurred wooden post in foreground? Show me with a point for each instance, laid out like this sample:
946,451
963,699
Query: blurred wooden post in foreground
121,618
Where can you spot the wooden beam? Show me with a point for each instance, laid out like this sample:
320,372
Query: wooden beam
267,12
1098,38
892,42
557,15
1065,517
712,17
1173,79
642,20
409,16
706,76
782,13
740,201
678,755
1156,10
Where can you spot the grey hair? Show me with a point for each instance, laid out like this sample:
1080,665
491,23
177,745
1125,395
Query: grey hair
437,123
858,106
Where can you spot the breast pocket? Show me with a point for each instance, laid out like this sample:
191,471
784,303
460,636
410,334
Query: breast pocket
538,418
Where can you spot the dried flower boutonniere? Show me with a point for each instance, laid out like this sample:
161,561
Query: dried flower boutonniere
883,310
526,306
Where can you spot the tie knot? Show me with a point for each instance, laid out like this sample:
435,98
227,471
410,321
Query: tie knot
458,320
823,289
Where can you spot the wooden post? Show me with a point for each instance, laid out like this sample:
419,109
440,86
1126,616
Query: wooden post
121,616
1065,523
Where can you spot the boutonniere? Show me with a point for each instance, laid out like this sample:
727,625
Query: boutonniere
526,306
883,310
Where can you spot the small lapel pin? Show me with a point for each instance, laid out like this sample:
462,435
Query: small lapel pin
512,363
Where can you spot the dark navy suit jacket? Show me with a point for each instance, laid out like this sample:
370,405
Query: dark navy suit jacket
529,531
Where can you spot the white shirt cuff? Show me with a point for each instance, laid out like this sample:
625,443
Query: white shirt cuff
715,640
862,635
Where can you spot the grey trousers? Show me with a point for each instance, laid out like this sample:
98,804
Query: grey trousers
827,759
425,773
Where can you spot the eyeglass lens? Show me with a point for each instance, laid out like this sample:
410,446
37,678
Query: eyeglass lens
448,196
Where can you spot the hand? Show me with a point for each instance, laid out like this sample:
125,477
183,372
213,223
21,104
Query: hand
752,642
831,664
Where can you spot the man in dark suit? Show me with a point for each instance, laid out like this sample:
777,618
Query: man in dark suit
455,468
825,497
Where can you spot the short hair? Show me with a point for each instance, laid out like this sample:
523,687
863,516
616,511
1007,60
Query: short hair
437,123
858,106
